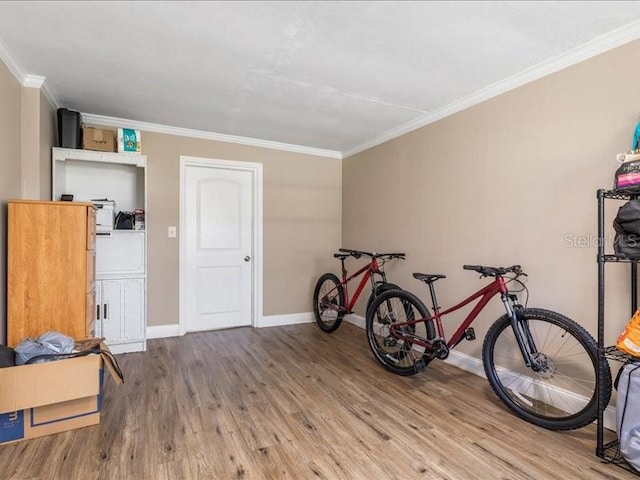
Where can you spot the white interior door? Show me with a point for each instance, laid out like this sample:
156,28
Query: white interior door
218,247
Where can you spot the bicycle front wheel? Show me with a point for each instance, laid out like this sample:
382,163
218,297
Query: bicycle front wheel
379,289
399,355
328,302
558,391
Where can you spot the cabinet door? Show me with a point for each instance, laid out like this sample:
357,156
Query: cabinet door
133,309
123,310
97,309
47,269
111,310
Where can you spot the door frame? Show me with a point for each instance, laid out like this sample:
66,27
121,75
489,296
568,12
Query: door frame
256,234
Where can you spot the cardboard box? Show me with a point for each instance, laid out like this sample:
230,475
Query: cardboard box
52,397
98,139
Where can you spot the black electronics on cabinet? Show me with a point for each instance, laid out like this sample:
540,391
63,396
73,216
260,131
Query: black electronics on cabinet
69,128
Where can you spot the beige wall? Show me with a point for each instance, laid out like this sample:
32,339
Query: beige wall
30,142
302,220
511,180
10,176
47,119
37,127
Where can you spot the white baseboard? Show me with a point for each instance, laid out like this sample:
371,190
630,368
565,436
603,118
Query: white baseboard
128,347
466,362
357,320
163,331
609,418
287,319
474,365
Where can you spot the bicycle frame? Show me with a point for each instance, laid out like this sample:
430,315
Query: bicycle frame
497,286
368,270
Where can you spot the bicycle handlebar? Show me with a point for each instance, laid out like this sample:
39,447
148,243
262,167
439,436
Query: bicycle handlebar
359,253
494,271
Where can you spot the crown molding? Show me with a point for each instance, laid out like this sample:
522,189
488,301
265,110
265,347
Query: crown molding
50,96
220,137
33,81
25,79
599,45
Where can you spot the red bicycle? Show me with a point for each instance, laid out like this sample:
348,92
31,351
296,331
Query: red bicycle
542,365
331,300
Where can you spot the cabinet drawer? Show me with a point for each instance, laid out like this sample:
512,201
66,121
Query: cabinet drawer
120,253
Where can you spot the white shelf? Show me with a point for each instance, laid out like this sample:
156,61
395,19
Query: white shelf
120,263
89,175
64,154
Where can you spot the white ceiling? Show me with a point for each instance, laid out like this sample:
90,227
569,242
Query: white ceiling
337,76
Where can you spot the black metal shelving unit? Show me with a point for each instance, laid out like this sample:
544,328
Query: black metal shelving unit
609,452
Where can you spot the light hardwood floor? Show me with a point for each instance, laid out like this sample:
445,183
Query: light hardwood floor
296,403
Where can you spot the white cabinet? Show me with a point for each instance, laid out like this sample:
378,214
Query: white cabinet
121,267
120,307
120,253
121,290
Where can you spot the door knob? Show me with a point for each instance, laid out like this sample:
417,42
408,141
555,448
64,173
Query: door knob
247,258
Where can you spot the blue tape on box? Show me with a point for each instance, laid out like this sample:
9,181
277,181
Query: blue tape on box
11,426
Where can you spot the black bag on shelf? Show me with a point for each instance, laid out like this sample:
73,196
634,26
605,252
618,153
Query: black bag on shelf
627,246
627,220
125,221
627,226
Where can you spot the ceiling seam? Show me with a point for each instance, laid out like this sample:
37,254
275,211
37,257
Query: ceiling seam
332,90
609,41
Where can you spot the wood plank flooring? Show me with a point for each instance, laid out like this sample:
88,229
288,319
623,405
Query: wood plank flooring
296,403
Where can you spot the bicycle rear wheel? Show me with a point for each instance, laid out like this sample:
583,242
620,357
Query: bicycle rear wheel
399,356
559,391
328,302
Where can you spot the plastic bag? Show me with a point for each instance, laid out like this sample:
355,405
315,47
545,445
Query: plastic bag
628,413
49,343
629,339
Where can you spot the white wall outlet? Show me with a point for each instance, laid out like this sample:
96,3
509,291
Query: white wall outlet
172,232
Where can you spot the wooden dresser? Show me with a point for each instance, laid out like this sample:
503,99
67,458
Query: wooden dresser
50,269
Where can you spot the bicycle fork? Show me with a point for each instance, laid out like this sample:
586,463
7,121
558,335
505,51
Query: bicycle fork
520,328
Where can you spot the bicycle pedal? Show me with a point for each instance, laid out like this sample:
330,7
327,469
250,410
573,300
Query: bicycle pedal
470,334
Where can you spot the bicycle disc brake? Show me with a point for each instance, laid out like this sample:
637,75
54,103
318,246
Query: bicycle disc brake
543,365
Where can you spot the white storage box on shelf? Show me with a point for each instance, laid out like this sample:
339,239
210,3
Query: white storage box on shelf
105,214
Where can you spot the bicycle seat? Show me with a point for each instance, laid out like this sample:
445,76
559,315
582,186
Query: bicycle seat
341,256
428,277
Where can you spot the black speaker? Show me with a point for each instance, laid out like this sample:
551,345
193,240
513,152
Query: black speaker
69,128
